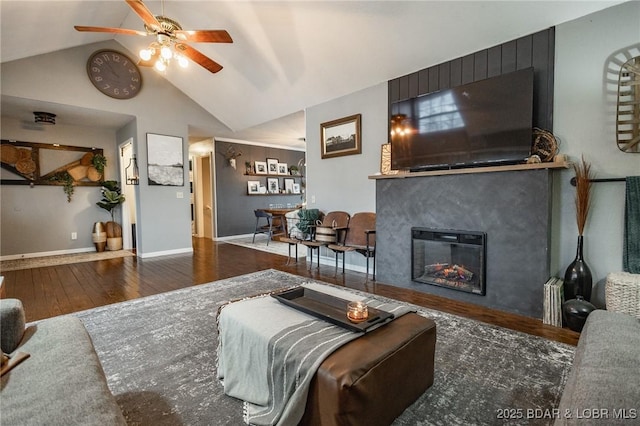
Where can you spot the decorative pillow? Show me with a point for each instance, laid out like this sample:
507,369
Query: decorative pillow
13,324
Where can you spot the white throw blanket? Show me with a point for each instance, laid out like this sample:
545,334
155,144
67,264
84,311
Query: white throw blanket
269,352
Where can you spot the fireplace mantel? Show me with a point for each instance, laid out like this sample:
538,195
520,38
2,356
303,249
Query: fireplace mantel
468,170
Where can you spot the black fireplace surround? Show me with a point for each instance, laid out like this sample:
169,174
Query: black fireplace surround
513,208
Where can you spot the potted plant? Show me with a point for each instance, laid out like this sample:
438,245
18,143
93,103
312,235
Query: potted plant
111,198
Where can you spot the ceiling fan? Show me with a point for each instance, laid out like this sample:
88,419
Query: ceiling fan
168,33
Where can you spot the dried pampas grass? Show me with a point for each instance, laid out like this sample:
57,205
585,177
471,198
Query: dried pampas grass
583,192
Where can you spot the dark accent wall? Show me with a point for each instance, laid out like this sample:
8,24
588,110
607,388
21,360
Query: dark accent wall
512,207
535,50
234,207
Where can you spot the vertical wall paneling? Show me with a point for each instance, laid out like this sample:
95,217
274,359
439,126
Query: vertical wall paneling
413,85
480,65
445,75
404,87
455,76
467,69
423,82
434,78
535,50
494,61
523,52
508,57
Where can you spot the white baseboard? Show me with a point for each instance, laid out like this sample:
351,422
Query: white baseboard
165,253
232,237
47,253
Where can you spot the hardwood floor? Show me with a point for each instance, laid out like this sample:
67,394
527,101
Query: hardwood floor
50,291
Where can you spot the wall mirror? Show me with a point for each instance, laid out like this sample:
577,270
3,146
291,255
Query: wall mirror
628,108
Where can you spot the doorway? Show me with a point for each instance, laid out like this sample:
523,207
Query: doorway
129,205
204,201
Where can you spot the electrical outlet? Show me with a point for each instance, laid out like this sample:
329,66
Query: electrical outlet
74,235
313,199
179,194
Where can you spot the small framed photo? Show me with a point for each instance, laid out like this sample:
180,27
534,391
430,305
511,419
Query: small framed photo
272,166
261,167
253,187
288,185
273,185
340,137
296,188
283,169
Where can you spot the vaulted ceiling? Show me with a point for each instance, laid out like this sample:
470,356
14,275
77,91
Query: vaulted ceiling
289,55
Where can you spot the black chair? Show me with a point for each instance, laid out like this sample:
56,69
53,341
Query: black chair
263,228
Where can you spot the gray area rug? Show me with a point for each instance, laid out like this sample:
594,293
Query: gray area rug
274,247
159,357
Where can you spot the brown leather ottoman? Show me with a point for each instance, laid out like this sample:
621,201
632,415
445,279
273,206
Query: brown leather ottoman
373,379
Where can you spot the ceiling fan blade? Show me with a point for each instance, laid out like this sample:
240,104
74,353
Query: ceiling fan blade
198,57
110,30
144,13
204,36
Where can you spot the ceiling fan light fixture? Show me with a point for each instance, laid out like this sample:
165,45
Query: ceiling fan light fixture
160,65
182,61
145,54
166,52
42,117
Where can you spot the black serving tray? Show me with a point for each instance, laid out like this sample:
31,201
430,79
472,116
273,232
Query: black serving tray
329,308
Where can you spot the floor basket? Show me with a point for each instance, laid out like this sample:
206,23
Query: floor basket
622,292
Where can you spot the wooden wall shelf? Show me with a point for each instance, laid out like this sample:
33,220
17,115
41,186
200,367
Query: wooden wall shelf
469,170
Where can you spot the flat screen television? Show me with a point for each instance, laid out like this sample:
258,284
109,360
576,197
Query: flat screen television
487,122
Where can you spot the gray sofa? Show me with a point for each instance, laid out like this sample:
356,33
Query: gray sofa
604,384
62,382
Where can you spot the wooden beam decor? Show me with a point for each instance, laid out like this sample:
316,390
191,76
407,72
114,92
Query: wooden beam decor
24,160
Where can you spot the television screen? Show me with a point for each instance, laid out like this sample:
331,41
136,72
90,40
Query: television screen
482,123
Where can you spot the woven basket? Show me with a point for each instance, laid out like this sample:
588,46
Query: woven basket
622,292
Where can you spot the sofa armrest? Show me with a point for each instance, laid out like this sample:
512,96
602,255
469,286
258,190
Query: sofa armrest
13,324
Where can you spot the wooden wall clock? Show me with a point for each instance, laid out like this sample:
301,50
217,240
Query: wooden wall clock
114,74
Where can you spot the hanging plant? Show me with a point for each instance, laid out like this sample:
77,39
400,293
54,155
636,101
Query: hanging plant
67,183
99,161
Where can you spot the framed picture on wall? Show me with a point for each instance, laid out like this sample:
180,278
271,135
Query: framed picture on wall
273,185
165,164
253,187
261,167
288,185
272,166
283,169
296,188
340,137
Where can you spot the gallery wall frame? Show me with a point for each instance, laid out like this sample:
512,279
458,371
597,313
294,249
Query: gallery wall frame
165,160
341,137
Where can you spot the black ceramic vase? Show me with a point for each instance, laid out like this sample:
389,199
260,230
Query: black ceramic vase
575,312
577,278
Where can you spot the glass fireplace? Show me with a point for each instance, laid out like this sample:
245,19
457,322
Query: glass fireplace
449,258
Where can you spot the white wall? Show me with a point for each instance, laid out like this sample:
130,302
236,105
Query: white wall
583,120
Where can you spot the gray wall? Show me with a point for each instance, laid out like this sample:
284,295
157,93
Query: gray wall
60,77
40,219
234,207
583,119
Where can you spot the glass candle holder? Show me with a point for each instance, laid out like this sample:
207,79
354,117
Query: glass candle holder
357,311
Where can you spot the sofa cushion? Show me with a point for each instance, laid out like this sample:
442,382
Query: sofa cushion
605,374
61,383
12,323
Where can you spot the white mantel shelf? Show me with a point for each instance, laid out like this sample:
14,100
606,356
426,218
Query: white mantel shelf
468,170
